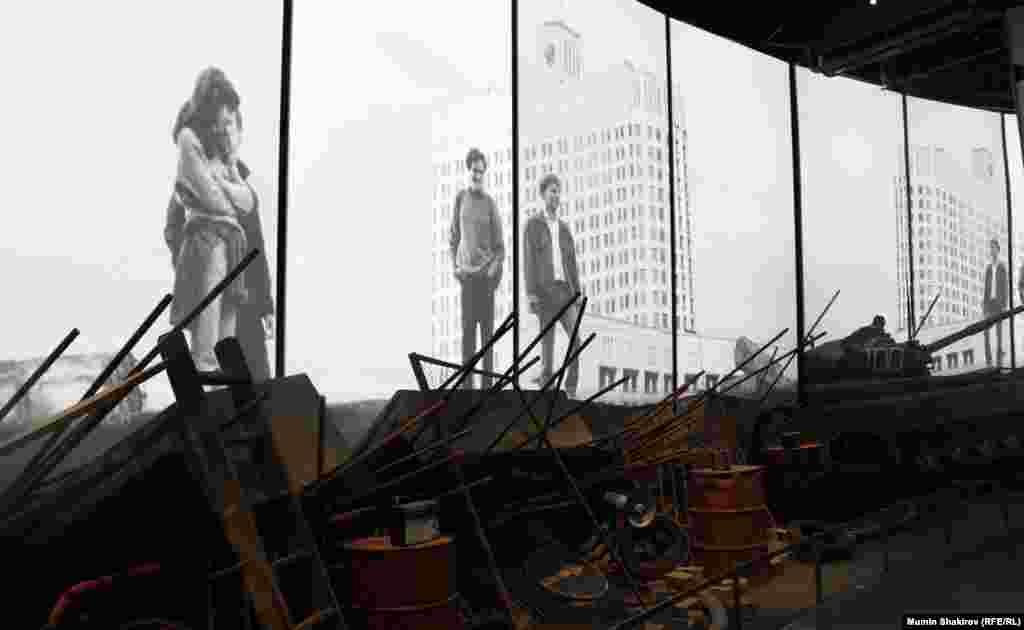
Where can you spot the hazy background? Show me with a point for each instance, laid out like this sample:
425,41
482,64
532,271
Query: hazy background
740,156
365,85
851,138
92,93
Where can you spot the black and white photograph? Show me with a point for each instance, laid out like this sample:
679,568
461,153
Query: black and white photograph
400,232
961,236
594,193
854,215
141,160
734,205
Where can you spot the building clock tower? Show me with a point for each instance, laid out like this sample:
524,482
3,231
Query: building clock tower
560,51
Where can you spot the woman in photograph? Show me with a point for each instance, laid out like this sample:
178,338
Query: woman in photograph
212,223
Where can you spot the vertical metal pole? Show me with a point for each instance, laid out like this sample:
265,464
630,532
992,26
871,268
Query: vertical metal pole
673,251
1009,238
284,133
911,301
515,182
798,225
1015,75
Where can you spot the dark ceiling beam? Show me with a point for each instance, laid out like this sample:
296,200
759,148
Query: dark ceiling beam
905,42
854,28
946,64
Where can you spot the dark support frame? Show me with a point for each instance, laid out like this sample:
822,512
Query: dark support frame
798,236
673,251
911,280
1009,236
515,180
283,149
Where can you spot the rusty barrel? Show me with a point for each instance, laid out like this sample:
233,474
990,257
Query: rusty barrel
729,520
396,588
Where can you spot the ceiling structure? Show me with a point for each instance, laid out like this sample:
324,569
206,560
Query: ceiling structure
945,50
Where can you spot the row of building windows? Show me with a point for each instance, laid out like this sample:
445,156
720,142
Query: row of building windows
953,360
609,135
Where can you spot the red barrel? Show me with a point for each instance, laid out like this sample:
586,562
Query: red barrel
729,521
403,587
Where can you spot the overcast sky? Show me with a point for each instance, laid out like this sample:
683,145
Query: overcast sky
737,122
92,90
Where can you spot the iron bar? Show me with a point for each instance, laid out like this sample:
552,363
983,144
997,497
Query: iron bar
38,373
100,380
1009,245
798,230
543,429
672,228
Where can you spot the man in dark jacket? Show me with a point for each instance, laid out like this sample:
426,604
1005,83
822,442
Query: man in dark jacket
478,254
552,276
996,297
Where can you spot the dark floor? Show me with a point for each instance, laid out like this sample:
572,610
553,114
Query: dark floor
978,572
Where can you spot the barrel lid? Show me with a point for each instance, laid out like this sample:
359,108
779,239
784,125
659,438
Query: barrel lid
803,446
733,470
418,507
381,543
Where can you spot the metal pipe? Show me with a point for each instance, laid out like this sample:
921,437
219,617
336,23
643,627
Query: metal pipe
798,235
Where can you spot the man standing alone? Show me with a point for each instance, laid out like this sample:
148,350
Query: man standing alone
552,277
995,301
478,255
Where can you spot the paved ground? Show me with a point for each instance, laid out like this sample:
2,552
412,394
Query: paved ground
977,572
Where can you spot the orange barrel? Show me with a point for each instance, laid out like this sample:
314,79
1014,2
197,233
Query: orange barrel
729,521
402,587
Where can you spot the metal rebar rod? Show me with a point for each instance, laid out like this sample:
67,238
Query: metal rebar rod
102,378
79,433
342,468
38,373
604,390
699,401
711,390
543,429
522,412
398,481
451,439
510,373
464,371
